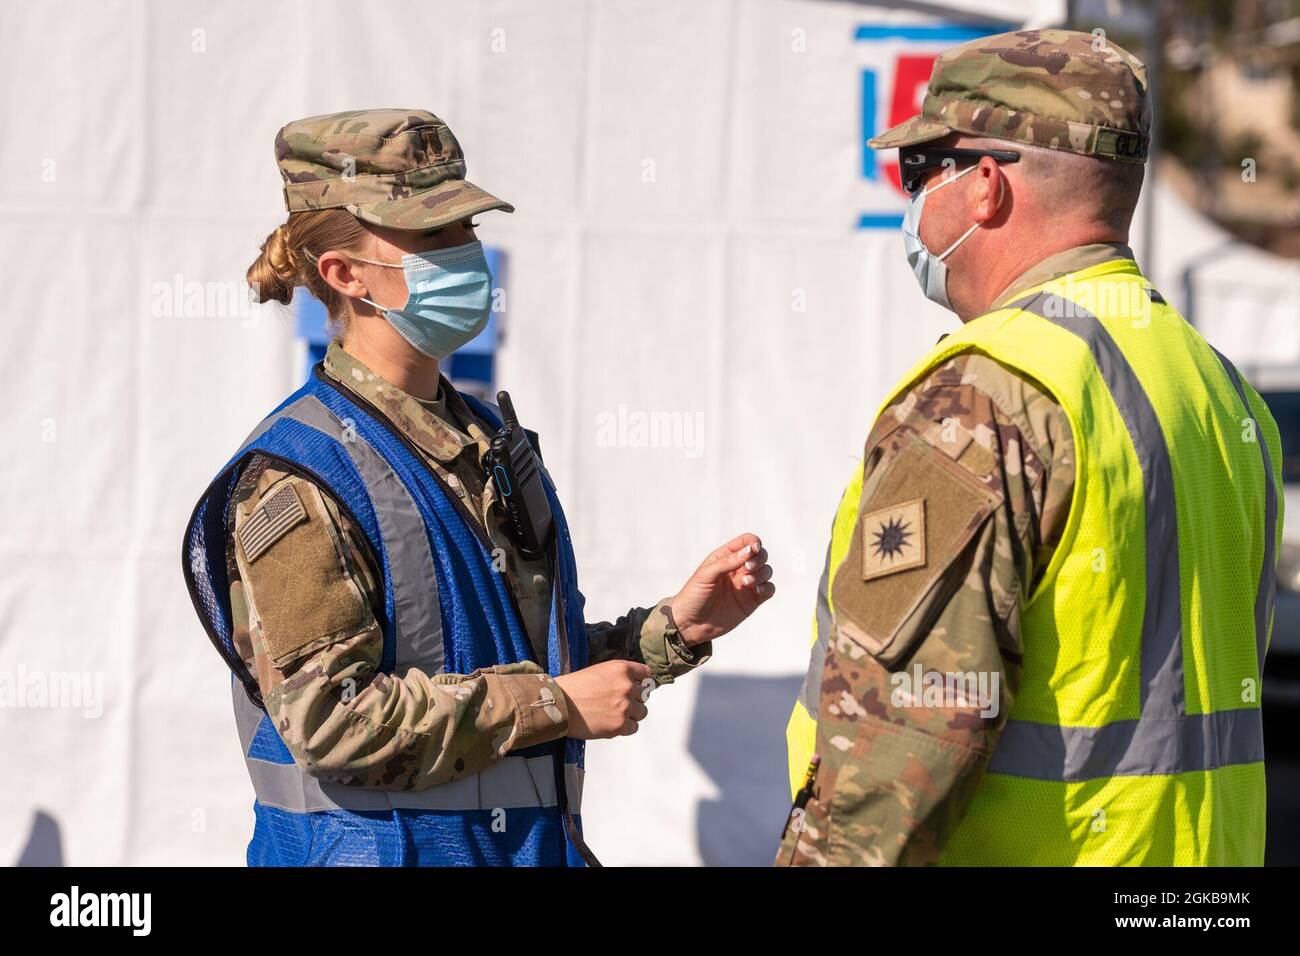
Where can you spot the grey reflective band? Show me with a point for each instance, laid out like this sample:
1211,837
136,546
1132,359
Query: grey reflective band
1161,687
510,783
418,618
1164,739
1130,748
1267,592
810,692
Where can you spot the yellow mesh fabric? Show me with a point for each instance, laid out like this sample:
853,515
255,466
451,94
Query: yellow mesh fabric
1083,624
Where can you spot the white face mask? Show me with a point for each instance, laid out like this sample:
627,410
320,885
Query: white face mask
930,270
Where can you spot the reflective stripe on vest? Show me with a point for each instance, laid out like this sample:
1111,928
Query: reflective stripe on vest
823,620
1164,739
1147,704
801,732
513,781
417,620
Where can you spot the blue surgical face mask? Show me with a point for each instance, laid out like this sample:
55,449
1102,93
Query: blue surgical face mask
449,298
930,270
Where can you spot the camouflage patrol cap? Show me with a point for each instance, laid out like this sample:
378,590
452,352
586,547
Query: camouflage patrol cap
1055,88
397,168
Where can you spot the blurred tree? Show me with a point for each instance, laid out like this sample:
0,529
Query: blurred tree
1225,76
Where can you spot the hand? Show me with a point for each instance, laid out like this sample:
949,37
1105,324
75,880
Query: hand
606,699
724,590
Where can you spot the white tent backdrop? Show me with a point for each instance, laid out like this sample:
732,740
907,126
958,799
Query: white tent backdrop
690,179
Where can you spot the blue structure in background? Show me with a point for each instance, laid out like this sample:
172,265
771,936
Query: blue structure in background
472,367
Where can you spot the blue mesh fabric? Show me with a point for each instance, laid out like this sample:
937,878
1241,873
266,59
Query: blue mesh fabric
331,467
480,628
204,552
409,838
267,745
205,567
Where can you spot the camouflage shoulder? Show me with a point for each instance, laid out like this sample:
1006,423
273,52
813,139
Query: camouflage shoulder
1037,450
261,477
991,419
922,506
1037,414
970,438
304,584
257,475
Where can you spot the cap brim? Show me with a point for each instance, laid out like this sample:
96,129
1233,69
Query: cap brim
909,133
443,204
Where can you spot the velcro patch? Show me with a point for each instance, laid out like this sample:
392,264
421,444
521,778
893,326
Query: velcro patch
893,538
270,521
920,511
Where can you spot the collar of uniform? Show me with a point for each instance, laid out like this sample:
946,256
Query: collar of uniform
459,410
1060,264
431,432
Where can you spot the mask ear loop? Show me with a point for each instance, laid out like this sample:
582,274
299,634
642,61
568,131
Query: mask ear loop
974,226
315,260
960,240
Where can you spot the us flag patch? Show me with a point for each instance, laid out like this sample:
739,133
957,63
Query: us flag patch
271,521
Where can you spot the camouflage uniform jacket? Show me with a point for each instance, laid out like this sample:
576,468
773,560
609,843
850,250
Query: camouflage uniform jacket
992,454
307,605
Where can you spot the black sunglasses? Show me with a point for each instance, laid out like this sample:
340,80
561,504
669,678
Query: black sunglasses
914,163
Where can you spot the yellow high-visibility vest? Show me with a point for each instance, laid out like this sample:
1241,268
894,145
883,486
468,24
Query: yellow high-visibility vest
1136,736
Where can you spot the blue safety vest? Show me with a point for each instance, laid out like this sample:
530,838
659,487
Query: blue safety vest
446,610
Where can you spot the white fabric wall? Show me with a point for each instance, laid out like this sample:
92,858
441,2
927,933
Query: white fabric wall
130,159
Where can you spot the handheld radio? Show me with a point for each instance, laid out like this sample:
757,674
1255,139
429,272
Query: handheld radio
512,463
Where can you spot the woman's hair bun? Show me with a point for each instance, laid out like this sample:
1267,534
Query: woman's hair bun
274,274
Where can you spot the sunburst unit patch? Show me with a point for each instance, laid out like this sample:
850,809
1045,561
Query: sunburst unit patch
893,539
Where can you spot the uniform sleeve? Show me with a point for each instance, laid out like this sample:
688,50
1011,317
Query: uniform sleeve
966,489
648,636
304,599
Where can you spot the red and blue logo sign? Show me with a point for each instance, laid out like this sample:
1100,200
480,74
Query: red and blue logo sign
892,88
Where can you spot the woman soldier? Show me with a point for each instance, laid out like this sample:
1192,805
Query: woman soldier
415,678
